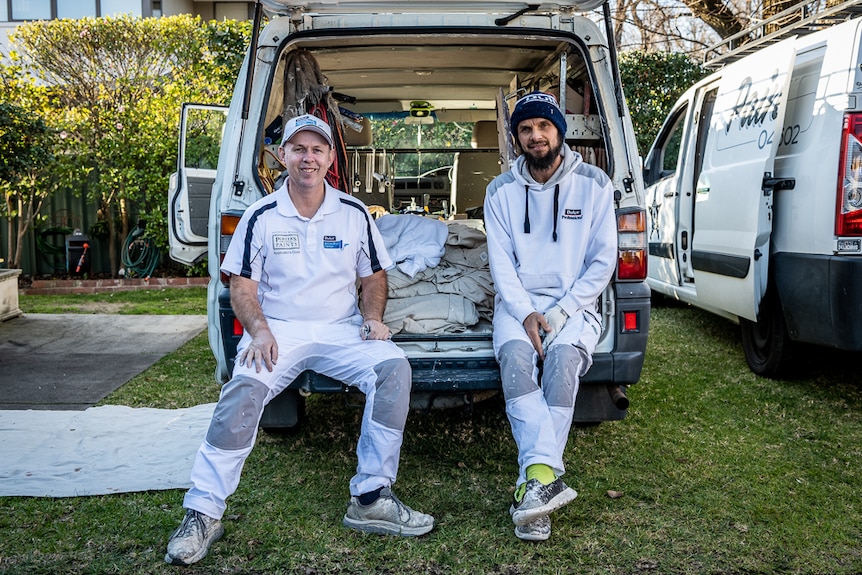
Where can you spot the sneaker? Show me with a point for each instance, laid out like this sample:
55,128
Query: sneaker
541,500
387,516
538,530
192,539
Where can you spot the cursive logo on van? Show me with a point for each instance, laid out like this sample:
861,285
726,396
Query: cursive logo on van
753,109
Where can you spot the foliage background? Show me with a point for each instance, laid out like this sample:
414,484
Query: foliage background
652,81
101,98
110,90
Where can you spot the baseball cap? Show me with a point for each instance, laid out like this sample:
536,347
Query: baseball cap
539,105
307,122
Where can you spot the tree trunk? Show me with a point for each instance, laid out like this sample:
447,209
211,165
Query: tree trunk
10,222
773,7
124,220
112,238
23,220
717,16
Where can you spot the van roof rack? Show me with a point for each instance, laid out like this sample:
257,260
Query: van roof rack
800,19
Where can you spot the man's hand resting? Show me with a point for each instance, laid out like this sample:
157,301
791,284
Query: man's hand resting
556,318
374,329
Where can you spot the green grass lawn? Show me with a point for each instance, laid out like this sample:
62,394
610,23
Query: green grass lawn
720,471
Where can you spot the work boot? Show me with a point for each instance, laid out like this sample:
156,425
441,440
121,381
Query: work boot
536,530
192,539
387,516
540,500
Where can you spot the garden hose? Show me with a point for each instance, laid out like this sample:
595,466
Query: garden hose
140,255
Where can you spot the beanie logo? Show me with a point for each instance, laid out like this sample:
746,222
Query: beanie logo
570,214
538,97
539,105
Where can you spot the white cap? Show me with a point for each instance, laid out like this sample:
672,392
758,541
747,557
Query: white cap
307,122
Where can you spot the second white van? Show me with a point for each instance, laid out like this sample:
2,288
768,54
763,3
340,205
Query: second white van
754,195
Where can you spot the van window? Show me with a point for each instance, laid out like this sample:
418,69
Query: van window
703,130
672,146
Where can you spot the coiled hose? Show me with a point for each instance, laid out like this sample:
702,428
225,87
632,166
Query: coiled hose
140,255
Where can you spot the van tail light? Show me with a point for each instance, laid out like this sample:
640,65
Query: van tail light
631,245
848,221
229,222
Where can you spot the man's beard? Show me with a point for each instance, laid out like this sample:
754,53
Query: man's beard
544,162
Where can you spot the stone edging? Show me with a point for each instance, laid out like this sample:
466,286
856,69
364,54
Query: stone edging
58,287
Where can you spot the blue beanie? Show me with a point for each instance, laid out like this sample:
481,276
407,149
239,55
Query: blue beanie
539,105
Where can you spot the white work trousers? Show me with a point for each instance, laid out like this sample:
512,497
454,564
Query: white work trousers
335,350
541,412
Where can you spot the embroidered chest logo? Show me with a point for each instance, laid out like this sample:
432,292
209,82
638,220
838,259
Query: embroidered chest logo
285,243
333,243
570,214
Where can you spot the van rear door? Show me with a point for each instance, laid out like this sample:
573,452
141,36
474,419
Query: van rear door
201,130
733,208
284,7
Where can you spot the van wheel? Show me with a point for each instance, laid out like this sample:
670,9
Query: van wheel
766,343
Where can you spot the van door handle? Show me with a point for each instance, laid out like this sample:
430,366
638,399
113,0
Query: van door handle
703,190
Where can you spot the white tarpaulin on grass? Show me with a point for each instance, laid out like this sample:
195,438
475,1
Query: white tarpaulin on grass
108,449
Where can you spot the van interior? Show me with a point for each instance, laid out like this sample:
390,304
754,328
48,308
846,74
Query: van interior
421,113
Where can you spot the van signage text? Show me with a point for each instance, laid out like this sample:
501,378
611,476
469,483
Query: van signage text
752,109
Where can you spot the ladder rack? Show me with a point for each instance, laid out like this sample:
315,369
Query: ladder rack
798,20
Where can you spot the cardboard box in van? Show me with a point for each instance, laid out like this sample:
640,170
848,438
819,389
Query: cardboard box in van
754,195
390,77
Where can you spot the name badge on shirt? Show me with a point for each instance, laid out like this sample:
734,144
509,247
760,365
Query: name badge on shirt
332,243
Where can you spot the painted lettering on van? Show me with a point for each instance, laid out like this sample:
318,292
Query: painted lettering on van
753,110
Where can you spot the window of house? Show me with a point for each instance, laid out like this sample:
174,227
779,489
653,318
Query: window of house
76,8
31,10
117,7
20,10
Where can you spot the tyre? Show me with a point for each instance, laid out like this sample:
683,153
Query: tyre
766,342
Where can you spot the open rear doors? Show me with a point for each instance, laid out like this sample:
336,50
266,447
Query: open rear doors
201,130
733,205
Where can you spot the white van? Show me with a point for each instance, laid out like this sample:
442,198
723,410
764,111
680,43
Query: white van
755,198
375,66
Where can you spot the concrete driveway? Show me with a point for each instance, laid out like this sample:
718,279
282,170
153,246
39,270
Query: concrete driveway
72,361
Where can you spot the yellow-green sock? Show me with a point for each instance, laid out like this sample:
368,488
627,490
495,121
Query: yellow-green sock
519,492
542,472
539,471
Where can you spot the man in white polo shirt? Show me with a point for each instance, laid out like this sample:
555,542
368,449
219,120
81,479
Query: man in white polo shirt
293,263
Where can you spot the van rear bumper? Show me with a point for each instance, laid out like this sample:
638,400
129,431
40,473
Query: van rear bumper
436,376
821,298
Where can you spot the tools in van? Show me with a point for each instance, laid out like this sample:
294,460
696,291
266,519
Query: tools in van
306,91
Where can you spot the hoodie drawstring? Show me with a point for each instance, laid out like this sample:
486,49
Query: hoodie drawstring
556,208
527,209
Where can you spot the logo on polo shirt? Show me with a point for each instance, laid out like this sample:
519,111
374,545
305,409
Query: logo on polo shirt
285,243
570,214
332,243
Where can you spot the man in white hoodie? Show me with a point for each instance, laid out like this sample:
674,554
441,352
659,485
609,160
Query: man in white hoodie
552,244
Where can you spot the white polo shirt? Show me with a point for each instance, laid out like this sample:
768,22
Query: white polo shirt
307,268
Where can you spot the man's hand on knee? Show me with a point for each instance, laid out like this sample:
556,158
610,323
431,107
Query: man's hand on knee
262,351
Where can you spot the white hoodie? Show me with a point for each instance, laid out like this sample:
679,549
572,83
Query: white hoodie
532,271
